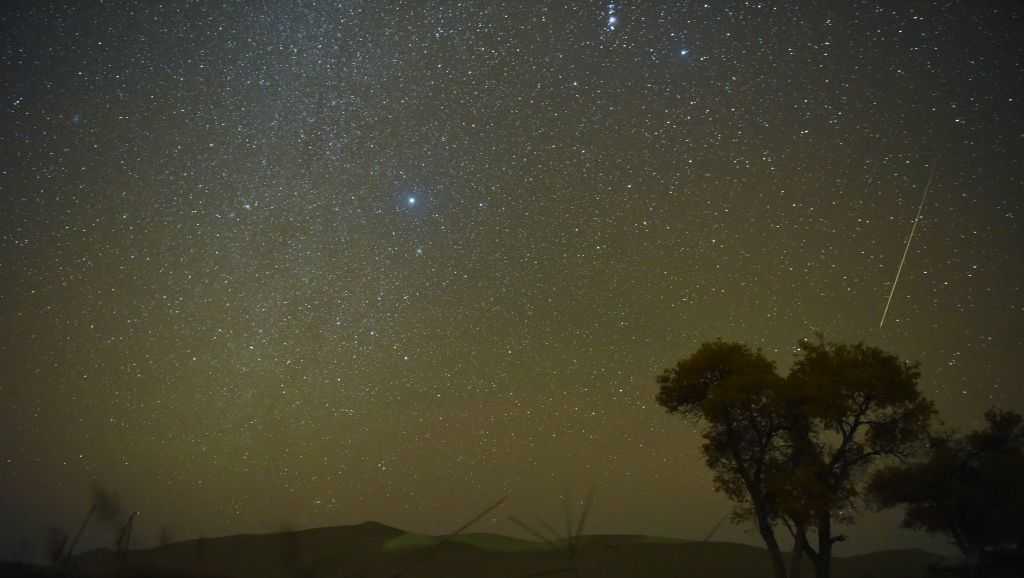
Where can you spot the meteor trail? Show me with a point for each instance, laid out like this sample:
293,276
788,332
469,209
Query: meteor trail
910,238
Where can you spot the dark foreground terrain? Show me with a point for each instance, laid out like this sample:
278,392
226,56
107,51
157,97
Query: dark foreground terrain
373,550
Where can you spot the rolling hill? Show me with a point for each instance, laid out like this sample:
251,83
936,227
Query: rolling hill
372,550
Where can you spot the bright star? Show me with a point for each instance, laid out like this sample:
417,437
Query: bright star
411,201
613,20
684,52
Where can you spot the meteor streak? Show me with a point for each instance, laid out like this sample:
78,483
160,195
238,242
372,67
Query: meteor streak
910,238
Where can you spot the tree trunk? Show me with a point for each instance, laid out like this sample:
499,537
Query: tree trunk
797,558
768,535
823,564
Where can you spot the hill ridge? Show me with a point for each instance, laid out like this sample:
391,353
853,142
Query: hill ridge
372,549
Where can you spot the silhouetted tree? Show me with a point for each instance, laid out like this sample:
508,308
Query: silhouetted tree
795,451
861,405
735,392
968,488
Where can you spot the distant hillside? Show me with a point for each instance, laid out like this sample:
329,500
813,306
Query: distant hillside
372,550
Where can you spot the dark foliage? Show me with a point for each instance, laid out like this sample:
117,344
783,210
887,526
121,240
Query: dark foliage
795,451
968,488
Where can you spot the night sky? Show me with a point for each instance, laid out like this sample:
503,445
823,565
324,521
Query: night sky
271,264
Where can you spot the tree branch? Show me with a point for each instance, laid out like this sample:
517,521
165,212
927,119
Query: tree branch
810,551
788,525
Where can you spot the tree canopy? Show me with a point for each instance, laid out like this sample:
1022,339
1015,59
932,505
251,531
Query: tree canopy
968,487
795,450
736,393
863,405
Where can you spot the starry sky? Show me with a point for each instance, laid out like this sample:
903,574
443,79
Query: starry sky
271,264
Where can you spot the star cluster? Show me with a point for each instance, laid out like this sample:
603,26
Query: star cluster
318,262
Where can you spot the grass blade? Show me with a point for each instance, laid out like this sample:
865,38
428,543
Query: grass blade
477,518
587,503
533,532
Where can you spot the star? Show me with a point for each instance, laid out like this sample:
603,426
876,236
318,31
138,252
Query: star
199,227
